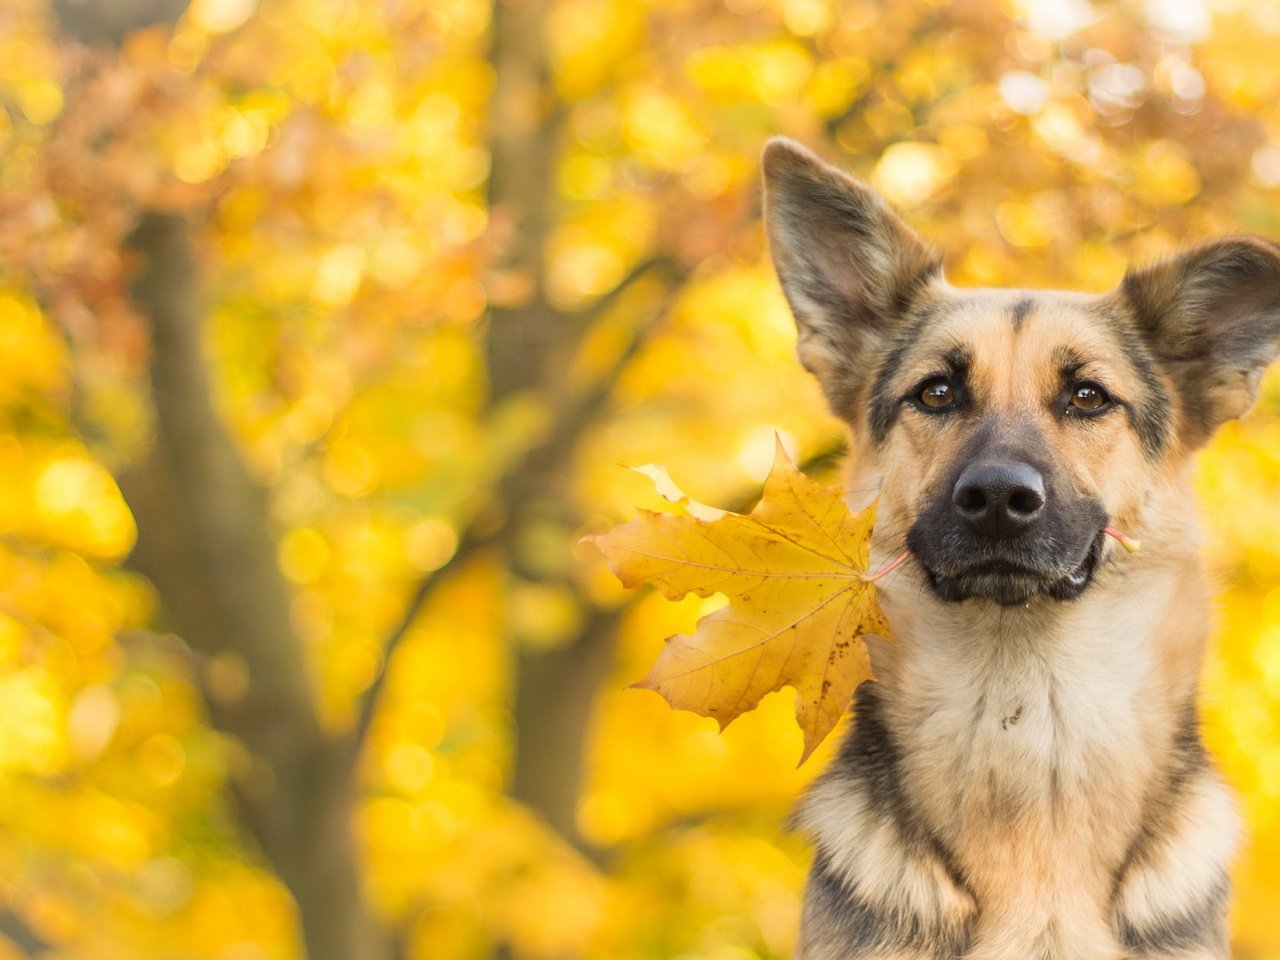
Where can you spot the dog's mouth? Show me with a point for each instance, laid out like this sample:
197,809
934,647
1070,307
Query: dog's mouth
1010,584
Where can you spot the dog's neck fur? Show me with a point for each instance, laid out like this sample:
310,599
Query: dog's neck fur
1043,722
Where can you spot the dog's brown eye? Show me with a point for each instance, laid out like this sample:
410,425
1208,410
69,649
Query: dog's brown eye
938,395
1089,397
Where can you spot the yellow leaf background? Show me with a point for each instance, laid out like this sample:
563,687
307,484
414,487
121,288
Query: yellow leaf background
438,267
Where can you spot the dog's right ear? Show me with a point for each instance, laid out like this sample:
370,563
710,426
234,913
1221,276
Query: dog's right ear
849,267
1211,315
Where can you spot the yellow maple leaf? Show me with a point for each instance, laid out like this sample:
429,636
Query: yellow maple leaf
800,601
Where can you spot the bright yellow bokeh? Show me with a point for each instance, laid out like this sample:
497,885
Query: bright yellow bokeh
455,266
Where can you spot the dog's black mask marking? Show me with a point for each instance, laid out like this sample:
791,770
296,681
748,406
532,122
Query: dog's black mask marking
1057,556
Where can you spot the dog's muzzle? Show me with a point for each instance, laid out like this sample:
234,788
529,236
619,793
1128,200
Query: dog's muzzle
1002,535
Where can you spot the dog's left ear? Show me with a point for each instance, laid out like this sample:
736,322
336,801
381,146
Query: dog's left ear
848,266
1212,317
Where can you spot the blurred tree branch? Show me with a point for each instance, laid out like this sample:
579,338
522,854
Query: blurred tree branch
108,22
371,699
25,940
571,418
525,132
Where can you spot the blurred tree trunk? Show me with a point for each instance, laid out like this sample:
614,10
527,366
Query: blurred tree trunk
528,346
204,540
204,530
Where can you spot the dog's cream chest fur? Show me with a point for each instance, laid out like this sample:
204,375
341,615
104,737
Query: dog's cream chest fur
1027,750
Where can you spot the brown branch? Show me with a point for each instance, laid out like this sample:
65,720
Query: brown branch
523,342
525,130
556,696
581,410
514,486
19,933
657,263
109,23
371,699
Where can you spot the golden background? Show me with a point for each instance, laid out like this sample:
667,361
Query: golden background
324,328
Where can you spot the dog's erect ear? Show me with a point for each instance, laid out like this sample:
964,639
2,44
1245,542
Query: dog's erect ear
849,267
1212,318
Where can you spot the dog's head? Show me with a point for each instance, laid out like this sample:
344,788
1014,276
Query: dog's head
1005,428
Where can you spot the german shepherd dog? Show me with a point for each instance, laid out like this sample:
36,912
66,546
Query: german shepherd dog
1026,778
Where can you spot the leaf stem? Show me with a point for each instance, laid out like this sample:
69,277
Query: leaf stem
884,571
1131,545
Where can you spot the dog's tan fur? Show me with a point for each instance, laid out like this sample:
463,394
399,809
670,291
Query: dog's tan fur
1022,781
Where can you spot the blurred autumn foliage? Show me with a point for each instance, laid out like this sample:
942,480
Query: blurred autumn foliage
325,325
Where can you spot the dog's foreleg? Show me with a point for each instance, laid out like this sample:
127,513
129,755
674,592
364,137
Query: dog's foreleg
882,896
839,923
1171,897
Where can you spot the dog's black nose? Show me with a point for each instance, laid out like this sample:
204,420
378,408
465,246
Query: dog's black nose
999,499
